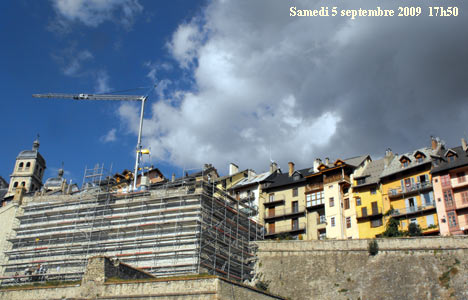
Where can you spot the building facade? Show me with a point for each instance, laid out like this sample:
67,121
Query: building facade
407,189
450,182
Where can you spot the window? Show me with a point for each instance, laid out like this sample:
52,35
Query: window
296,177
361,181
295,207
332,202
314,199
452,218
332,221
15,184
345,190
358,201
295,224
348,222
376,223
364,211
271,197
461,177
28,165
451,158
405,163
448,198
346,203
414,221
295,192
23,183
373,191
20,166
464,196
420,159
430,220
445,180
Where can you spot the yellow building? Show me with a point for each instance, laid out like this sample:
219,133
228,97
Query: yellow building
225,183
407,189
367,196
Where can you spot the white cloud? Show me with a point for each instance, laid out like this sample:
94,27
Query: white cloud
304,87
102,82
110,136
74,66
94,12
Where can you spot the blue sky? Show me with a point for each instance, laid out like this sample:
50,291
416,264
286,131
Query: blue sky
238,81
38,58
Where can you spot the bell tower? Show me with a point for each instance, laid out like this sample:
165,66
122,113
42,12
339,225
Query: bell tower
28,171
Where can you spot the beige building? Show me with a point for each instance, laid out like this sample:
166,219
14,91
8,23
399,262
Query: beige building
28,171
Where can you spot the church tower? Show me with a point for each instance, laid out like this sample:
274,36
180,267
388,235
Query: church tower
28,171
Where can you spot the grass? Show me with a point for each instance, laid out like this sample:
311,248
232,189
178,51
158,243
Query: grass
40,284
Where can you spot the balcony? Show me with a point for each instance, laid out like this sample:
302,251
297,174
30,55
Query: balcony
315,204
409,189
460,204
412,210
273,201
314,187
292,228
246,198
458,182
284,213
361,215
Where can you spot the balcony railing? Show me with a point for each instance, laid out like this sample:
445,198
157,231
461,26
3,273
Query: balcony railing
459,203
284,212
369,214
321,220
412,188
290,228
246,197
412,209
271,201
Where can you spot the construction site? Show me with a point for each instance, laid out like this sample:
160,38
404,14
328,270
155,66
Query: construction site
170,228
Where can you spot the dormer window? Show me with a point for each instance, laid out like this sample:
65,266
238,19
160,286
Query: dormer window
296,177
361,181
451,155
419,156
405,161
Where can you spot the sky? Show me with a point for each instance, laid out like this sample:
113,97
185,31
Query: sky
236,81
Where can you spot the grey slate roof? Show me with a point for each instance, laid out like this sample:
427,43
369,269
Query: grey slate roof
356,161
460,161
283,179
252,180
28,154
395,165
372,172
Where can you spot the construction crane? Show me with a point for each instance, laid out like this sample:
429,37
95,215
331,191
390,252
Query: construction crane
99,97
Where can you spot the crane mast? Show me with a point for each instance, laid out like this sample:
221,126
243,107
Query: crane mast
85,97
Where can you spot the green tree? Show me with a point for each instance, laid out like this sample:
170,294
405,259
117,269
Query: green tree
392,228
414,230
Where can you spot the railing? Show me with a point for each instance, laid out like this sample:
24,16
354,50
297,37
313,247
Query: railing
369,213
409,189
459,203
283,212
455,181
247,197
286,228
321,220
412,209
276,199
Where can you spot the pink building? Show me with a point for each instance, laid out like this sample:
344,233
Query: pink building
450,184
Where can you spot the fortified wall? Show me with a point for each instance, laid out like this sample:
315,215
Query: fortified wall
403,268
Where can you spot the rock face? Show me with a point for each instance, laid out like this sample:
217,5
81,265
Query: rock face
404,268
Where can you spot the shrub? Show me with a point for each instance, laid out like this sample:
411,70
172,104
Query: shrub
373,247
414,230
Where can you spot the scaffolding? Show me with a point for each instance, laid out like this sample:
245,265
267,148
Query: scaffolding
184,227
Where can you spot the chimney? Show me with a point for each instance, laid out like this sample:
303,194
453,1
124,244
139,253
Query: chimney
291,168
434,143
317,163
173,177
233,169
273,167
327,161
463,143
388,157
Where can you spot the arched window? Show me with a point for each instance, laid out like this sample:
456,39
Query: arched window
28,165
23,183
15,184
20,166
